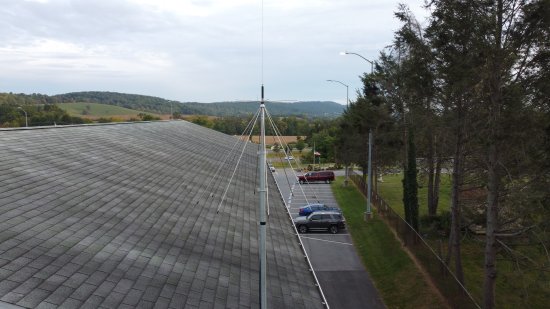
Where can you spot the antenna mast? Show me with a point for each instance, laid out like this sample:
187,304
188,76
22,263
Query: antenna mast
263,179
263,199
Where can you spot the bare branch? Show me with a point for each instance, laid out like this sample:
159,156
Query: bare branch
516,233
542,243
515,252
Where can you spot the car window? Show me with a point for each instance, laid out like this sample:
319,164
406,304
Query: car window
315,217
337,217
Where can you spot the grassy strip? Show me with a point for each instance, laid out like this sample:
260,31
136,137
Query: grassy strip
400,283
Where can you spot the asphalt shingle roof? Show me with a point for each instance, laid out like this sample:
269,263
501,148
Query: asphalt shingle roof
125,216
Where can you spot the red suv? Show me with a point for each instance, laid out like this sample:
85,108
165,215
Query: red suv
326,177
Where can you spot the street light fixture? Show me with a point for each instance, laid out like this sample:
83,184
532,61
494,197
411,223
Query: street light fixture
26,118
356,54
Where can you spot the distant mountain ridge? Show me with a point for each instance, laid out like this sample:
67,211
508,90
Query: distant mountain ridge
312,109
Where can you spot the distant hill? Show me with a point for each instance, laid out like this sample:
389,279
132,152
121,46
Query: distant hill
163,106
97,110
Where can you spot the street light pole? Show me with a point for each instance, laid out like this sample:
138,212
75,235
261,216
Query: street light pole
369,180
26,118
368,213
346,181
347,89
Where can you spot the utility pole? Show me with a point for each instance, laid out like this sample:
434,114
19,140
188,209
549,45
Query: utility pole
263,199
368,214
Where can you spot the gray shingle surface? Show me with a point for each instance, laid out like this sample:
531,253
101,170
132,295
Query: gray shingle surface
125,216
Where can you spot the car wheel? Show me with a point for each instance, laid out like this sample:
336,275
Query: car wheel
302,229
327,181
333,229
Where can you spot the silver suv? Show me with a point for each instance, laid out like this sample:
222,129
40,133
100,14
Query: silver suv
331,221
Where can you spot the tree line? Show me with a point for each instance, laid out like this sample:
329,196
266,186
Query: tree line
470,89
320,132
163,106
20,110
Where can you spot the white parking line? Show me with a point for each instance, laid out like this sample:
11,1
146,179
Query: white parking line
331,241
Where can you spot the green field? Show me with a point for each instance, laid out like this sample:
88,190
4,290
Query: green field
96,110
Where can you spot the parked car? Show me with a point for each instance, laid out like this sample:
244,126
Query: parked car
331,221
308,209
325,176
272,169
289,158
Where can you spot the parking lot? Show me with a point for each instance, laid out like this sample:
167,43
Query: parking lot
344,280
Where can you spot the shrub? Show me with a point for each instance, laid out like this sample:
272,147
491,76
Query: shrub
440,223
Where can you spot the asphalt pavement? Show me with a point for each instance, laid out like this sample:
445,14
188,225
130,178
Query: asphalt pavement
342,276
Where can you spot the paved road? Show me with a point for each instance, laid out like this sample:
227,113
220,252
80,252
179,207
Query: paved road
343,278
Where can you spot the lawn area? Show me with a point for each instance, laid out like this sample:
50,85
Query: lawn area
392,192
400,283
518,286
278,161
96,110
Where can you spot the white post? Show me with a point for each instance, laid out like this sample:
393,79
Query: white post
26,118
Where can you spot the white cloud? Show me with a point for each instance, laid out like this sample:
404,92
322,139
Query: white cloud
53,55
211,47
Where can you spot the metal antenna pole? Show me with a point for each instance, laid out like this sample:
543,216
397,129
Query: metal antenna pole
263,198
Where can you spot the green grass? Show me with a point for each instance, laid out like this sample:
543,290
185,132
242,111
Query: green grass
399,282
97,110
392,192
278,161
514,288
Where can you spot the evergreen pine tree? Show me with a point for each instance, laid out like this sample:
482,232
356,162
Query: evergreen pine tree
410,185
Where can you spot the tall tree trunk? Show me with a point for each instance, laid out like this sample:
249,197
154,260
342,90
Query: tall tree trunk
437,181
432,208
410,186
492,224
454,239
493,181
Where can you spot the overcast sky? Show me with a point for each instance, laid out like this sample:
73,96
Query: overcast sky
193,50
